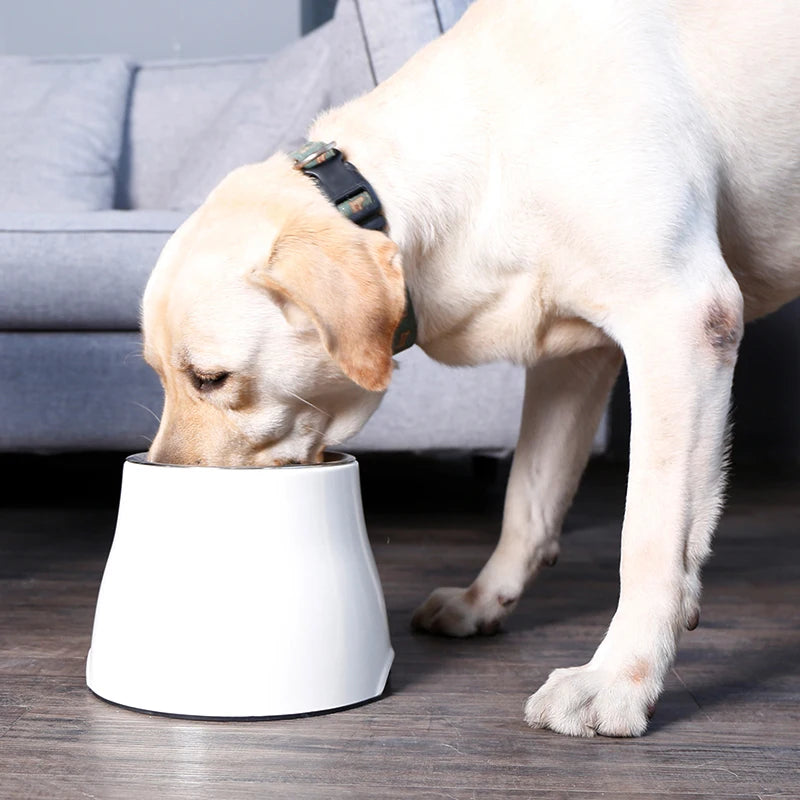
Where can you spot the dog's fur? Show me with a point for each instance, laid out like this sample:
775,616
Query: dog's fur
564,182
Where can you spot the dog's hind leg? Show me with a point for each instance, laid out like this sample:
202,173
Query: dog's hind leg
564,401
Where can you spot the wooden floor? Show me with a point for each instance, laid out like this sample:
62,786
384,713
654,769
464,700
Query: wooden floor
727,726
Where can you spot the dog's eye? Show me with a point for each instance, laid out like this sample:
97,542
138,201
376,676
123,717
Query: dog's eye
206,383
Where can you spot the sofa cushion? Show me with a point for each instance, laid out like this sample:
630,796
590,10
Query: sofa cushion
78,271
430,406
85,391
433,407
191,122
450,11
393,37
349,63
93,390
270,110
61,123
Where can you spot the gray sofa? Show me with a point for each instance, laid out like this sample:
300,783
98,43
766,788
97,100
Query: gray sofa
103,158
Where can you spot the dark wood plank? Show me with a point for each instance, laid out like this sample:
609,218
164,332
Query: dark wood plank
8,716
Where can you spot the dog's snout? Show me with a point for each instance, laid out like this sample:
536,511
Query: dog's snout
169,447
162,455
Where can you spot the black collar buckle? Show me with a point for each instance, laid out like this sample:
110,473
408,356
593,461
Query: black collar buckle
344,185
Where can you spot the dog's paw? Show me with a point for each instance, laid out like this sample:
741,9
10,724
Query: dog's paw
462,612
587,701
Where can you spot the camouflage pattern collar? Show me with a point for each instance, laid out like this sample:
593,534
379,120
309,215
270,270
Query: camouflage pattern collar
354,197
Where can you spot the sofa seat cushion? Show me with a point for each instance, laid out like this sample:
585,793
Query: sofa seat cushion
61,127
76,391
78,271
433,407
93,390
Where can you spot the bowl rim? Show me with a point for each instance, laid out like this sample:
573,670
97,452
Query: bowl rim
333,458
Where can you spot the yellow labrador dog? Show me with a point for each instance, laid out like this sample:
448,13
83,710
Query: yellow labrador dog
563,182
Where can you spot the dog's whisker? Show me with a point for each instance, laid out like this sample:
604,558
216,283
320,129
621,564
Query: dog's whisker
137,354
149,411
335,442
317,408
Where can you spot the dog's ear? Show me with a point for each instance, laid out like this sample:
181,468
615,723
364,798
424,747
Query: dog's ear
349,282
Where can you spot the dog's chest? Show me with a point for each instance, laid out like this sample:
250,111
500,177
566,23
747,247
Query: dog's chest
508,319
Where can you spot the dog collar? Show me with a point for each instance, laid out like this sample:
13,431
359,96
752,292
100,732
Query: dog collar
354,197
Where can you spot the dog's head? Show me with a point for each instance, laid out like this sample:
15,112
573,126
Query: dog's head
269,318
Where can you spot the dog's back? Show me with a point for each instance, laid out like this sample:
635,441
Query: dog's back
648,84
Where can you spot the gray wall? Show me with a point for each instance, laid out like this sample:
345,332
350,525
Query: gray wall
147,29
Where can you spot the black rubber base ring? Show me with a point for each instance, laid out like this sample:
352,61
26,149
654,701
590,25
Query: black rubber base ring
201,718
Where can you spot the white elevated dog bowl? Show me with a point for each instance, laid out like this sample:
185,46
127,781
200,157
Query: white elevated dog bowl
240,592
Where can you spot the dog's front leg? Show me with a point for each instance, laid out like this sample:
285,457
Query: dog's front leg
680,343
564,400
